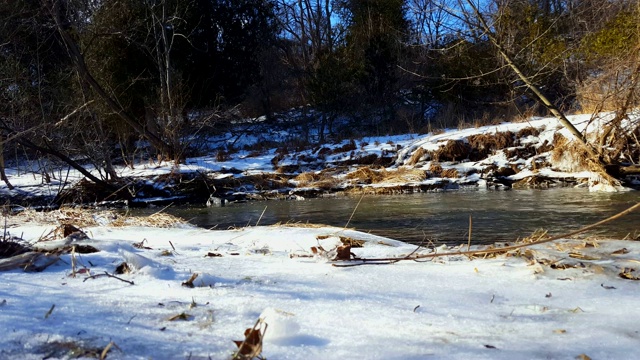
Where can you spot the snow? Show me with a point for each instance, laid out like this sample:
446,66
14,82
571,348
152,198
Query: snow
29,181
504,307
190,291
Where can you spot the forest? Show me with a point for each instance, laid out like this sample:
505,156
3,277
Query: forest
104,82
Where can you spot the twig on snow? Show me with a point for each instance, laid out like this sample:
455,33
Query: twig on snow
108,275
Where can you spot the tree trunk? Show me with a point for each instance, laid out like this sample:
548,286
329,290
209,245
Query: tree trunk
48,150
597,160
3,175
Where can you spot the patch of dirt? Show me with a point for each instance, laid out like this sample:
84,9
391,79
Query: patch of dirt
521,152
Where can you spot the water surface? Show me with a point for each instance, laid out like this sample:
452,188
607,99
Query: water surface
440,217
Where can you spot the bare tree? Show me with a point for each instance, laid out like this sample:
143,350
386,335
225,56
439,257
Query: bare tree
85,73
165,21
431,23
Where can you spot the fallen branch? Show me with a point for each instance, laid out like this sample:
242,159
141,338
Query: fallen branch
108,275
386,261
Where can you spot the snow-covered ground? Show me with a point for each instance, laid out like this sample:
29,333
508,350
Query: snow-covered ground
414,161
188,293
559,300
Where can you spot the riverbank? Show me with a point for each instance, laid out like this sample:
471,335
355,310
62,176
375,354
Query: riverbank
535,153
187,292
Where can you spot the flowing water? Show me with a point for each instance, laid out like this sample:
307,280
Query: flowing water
441,217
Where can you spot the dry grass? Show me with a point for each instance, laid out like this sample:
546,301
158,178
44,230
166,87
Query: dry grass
74,216
301,225
435,169
403,175
450,173
485,144
453,150
603,92
320,180
528,131
159,220
417,156
367,175
308,177
569,156
83,218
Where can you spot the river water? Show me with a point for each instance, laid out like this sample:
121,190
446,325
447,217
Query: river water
441,217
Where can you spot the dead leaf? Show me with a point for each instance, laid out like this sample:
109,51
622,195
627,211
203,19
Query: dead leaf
490,347
68,229
140,245
343,253
212,254
560,331
608,287
577,255
292,256
181,316
626,273
189,283
123,268
166,252
620,251
583,357
251,346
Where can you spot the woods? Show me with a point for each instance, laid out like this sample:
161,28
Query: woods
107,82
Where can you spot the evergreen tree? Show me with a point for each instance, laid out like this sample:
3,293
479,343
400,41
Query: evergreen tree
376,31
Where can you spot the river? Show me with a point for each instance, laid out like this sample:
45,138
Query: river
440,217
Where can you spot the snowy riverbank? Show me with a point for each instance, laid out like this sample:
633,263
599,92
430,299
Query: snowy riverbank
533,153
559,300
